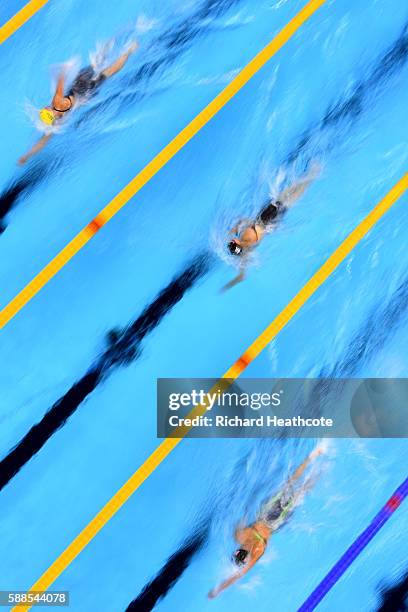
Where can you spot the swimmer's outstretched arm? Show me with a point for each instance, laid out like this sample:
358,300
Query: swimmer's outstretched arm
294,192
238,279
224,585
120,62
298,473
37,147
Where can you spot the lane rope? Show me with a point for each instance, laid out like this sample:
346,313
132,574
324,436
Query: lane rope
20,18
355,549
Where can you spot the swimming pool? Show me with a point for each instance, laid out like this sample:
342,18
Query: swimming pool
351,81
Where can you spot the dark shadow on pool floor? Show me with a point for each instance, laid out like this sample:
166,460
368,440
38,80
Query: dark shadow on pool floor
395,598
171,571
123,347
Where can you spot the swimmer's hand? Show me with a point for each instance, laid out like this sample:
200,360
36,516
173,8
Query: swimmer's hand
22,160
37,147
224,585
317,452
315,170
234,281
133,47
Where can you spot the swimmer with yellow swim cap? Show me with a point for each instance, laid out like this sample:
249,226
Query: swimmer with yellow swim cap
47,116
85,83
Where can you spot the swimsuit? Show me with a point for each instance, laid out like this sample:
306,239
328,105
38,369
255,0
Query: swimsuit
265,219
267,216
85,82
269,213
278,509
259,537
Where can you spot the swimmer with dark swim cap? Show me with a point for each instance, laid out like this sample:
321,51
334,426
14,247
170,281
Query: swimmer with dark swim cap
248,233
253,540
85,83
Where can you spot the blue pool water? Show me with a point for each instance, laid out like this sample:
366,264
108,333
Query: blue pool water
335,93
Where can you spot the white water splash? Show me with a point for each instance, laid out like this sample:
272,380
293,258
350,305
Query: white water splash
240,18
251,585
145,24
69,69
218,79
100,57
32,113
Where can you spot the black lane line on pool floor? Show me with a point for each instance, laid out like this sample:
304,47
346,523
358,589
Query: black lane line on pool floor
121,350
395,598
172,43
124,347
171,571
371,337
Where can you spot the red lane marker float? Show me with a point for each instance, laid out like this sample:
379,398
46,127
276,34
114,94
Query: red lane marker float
243,362
95,225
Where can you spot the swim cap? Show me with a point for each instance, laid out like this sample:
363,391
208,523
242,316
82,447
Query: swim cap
239,556
234,248
47,116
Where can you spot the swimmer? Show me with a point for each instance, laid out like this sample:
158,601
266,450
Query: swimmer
253,540
85,84
248,233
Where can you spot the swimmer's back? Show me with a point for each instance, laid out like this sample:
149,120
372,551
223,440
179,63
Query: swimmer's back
270,212
85,83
